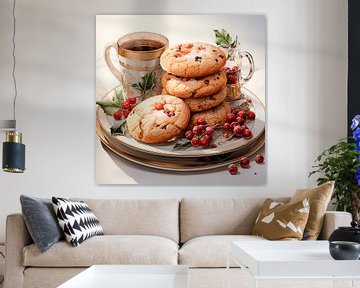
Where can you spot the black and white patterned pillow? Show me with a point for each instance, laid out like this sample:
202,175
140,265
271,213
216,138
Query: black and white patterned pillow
77,220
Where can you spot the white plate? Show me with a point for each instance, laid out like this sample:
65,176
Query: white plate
257,127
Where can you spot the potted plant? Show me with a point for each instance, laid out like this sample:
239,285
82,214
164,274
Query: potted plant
341,163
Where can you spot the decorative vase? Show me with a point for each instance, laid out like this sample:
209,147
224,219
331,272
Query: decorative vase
344,250
346,233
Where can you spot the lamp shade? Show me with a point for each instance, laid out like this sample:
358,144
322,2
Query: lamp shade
13,153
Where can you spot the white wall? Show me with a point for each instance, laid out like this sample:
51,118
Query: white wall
306,93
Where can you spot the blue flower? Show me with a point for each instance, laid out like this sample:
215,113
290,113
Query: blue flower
357,147
356,134
355,122
357,176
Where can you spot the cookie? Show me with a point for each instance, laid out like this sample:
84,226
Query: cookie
206,103
158,119
185,87
193,60
212,116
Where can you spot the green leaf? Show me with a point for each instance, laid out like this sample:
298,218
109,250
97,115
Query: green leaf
182,144
147,82
223,39
119,127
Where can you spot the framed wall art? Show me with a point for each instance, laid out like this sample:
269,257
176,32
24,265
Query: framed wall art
180,99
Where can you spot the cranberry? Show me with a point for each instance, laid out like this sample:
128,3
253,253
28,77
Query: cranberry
201,121
235,111
241,114
209,131
126,105
132,100
227,126
250,115
247,133
245,162
117,115
233,169
237,130
240,120
189,135
197,130
235,69
195,141
159,106
231,79
126,113
233,124
259,159
230,118
204,141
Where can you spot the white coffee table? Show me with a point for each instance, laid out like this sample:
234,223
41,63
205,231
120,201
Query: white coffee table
292,260
131,276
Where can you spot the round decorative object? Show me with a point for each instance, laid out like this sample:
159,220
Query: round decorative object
347,233
344,250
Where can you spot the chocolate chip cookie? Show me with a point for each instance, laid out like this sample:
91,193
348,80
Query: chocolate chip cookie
193,60
185,87
206,103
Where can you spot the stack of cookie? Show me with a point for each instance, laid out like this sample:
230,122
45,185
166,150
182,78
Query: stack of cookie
194,73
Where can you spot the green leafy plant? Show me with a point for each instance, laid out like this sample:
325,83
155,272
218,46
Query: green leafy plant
341,163
119,127
147,82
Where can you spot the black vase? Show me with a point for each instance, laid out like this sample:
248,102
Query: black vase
343,250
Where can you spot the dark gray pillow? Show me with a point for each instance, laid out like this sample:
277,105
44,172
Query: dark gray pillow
41,221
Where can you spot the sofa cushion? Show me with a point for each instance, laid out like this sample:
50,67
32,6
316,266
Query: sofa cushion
76,220
158,217
200,217
211,251
107,249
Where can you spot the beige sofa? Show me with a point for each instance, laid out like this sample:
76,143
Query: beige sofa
194,232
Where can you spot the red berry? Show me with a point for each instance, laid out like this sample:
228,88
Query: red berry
204,141
159,106
247,133
240,120
233,124
227,69
117,115
250,115
230,118
189,135
231,79
227,126
259,159
235,69
245,162
209,131
132,100
233,169
201,121
237,130
126,113
197,130
126,105
195,141
241,114
235,111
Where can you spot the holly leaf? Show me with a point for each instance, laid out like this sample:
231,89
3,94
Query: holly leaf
182,144
110,106
223,38
119,127
147,82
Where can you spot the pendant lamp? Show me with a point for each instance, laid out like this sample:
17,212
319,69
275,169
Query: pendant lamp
13,160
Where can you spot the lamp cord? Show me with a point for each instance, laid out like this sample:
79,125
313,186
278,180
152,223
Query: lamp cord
14,61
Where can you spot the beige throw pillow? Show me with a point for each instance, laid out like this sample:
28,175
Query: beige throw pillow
319,198
279,221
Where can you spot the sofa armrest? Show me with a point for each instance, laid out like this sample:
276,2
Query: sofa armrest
332,220
17,237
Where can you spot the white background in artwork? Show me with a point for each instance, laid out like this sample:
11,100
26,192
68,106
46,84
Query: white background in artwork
178,29
306,94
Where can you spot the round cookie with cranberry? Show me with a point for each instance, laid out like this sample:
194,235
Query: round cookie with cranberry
193,59
206,103
214,116
185,87
158,119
